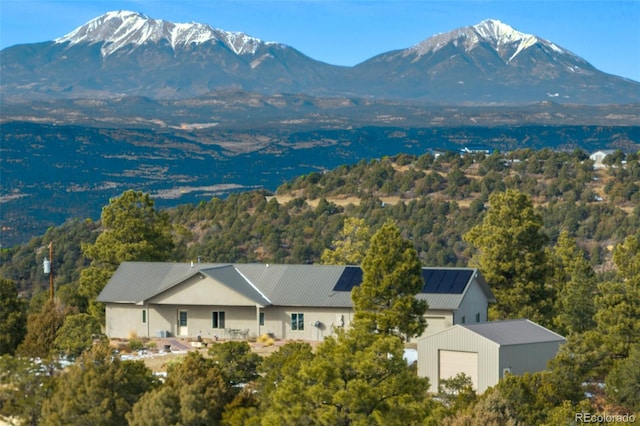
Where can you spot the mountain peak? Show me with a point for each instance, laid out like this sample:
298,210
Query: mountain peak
503,38
118,29
500,33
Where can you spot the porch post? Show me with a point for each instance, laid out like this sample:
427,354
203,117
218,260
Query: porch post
258,320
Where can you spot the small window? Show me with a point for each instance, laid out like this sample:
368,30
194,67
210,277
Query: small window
297,321
464,319
182,318
217,319
144,316
478,317
261,318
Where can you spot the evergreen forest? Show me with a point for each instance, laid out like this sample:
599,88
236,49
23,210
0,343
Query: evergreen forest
556,236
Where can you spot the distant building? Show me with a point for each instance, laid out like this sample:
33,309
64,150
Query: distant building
435,152
599,156
305,302
486,352
476,149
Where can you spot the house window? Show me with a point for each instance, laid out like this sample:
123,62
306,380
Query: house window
297,321
478,317
182,318
144,316
217,319
261,318
464,319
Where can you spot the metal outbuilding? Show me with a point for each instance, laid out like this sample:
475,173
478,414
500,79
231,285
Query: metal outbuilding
487,351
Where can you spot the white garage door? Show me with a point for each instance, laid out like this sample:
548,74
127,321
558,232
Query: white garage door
454,362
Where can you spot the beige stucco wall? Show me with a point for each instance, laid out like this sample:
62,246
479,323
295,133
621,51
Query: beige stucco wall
437,320
277,320
124,321
201,290
164,317
201,295
474,302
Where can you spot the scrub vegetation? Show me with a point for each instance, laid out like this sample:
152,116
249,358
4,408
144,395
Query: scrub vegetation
557,240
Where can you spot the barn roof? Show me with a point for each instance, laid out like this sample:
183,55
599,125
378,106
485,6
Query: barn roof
513,332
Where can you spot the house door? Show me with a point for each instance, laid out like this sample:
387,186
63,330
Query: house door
182,323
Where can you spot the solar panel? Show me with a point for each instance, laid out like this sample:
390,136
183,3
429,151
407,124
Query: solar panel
351,277
451,281
436,280
460,281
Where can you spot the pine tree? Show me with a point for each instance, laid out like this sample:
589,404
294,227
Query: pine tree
623,382
98,390
511,256
236,361
574,284
25,383
386,300
354,378
133,230
76,334
13,317
351,245
618,305
42,328
195,393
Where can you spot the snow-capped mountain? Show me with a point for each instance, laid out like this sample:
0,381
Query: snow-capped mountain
491,62
127,53
117,30
506,41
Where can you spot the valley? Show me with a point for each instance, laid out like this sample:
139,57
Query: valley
53,173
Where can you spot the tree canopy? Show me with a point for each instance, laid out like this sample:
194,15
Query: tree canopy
350,247
42,329
195,393
386,300
99,389
354,378
132,230
511,255
13,317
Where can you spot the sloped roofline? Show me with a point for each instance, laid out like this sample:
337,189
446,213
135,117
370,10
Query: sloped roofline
469,329
553,336
259,297
483,286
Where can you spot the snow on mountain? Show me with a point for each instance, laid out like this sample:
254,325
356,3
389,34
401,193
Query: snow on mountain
486,63
119,29
504,39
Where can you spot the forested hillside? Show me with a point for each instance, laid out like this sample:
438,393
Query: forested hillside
434,201
557,239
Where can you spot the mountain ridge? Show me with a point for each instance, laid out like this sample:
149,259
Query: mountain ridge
126,53
136,28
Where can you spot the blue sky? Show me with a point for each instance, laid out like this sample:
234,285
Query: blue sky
346,32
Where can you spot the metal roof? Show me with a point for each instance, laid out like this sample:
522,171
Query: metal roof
282,285
134,282
232,278
298,285
513,332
